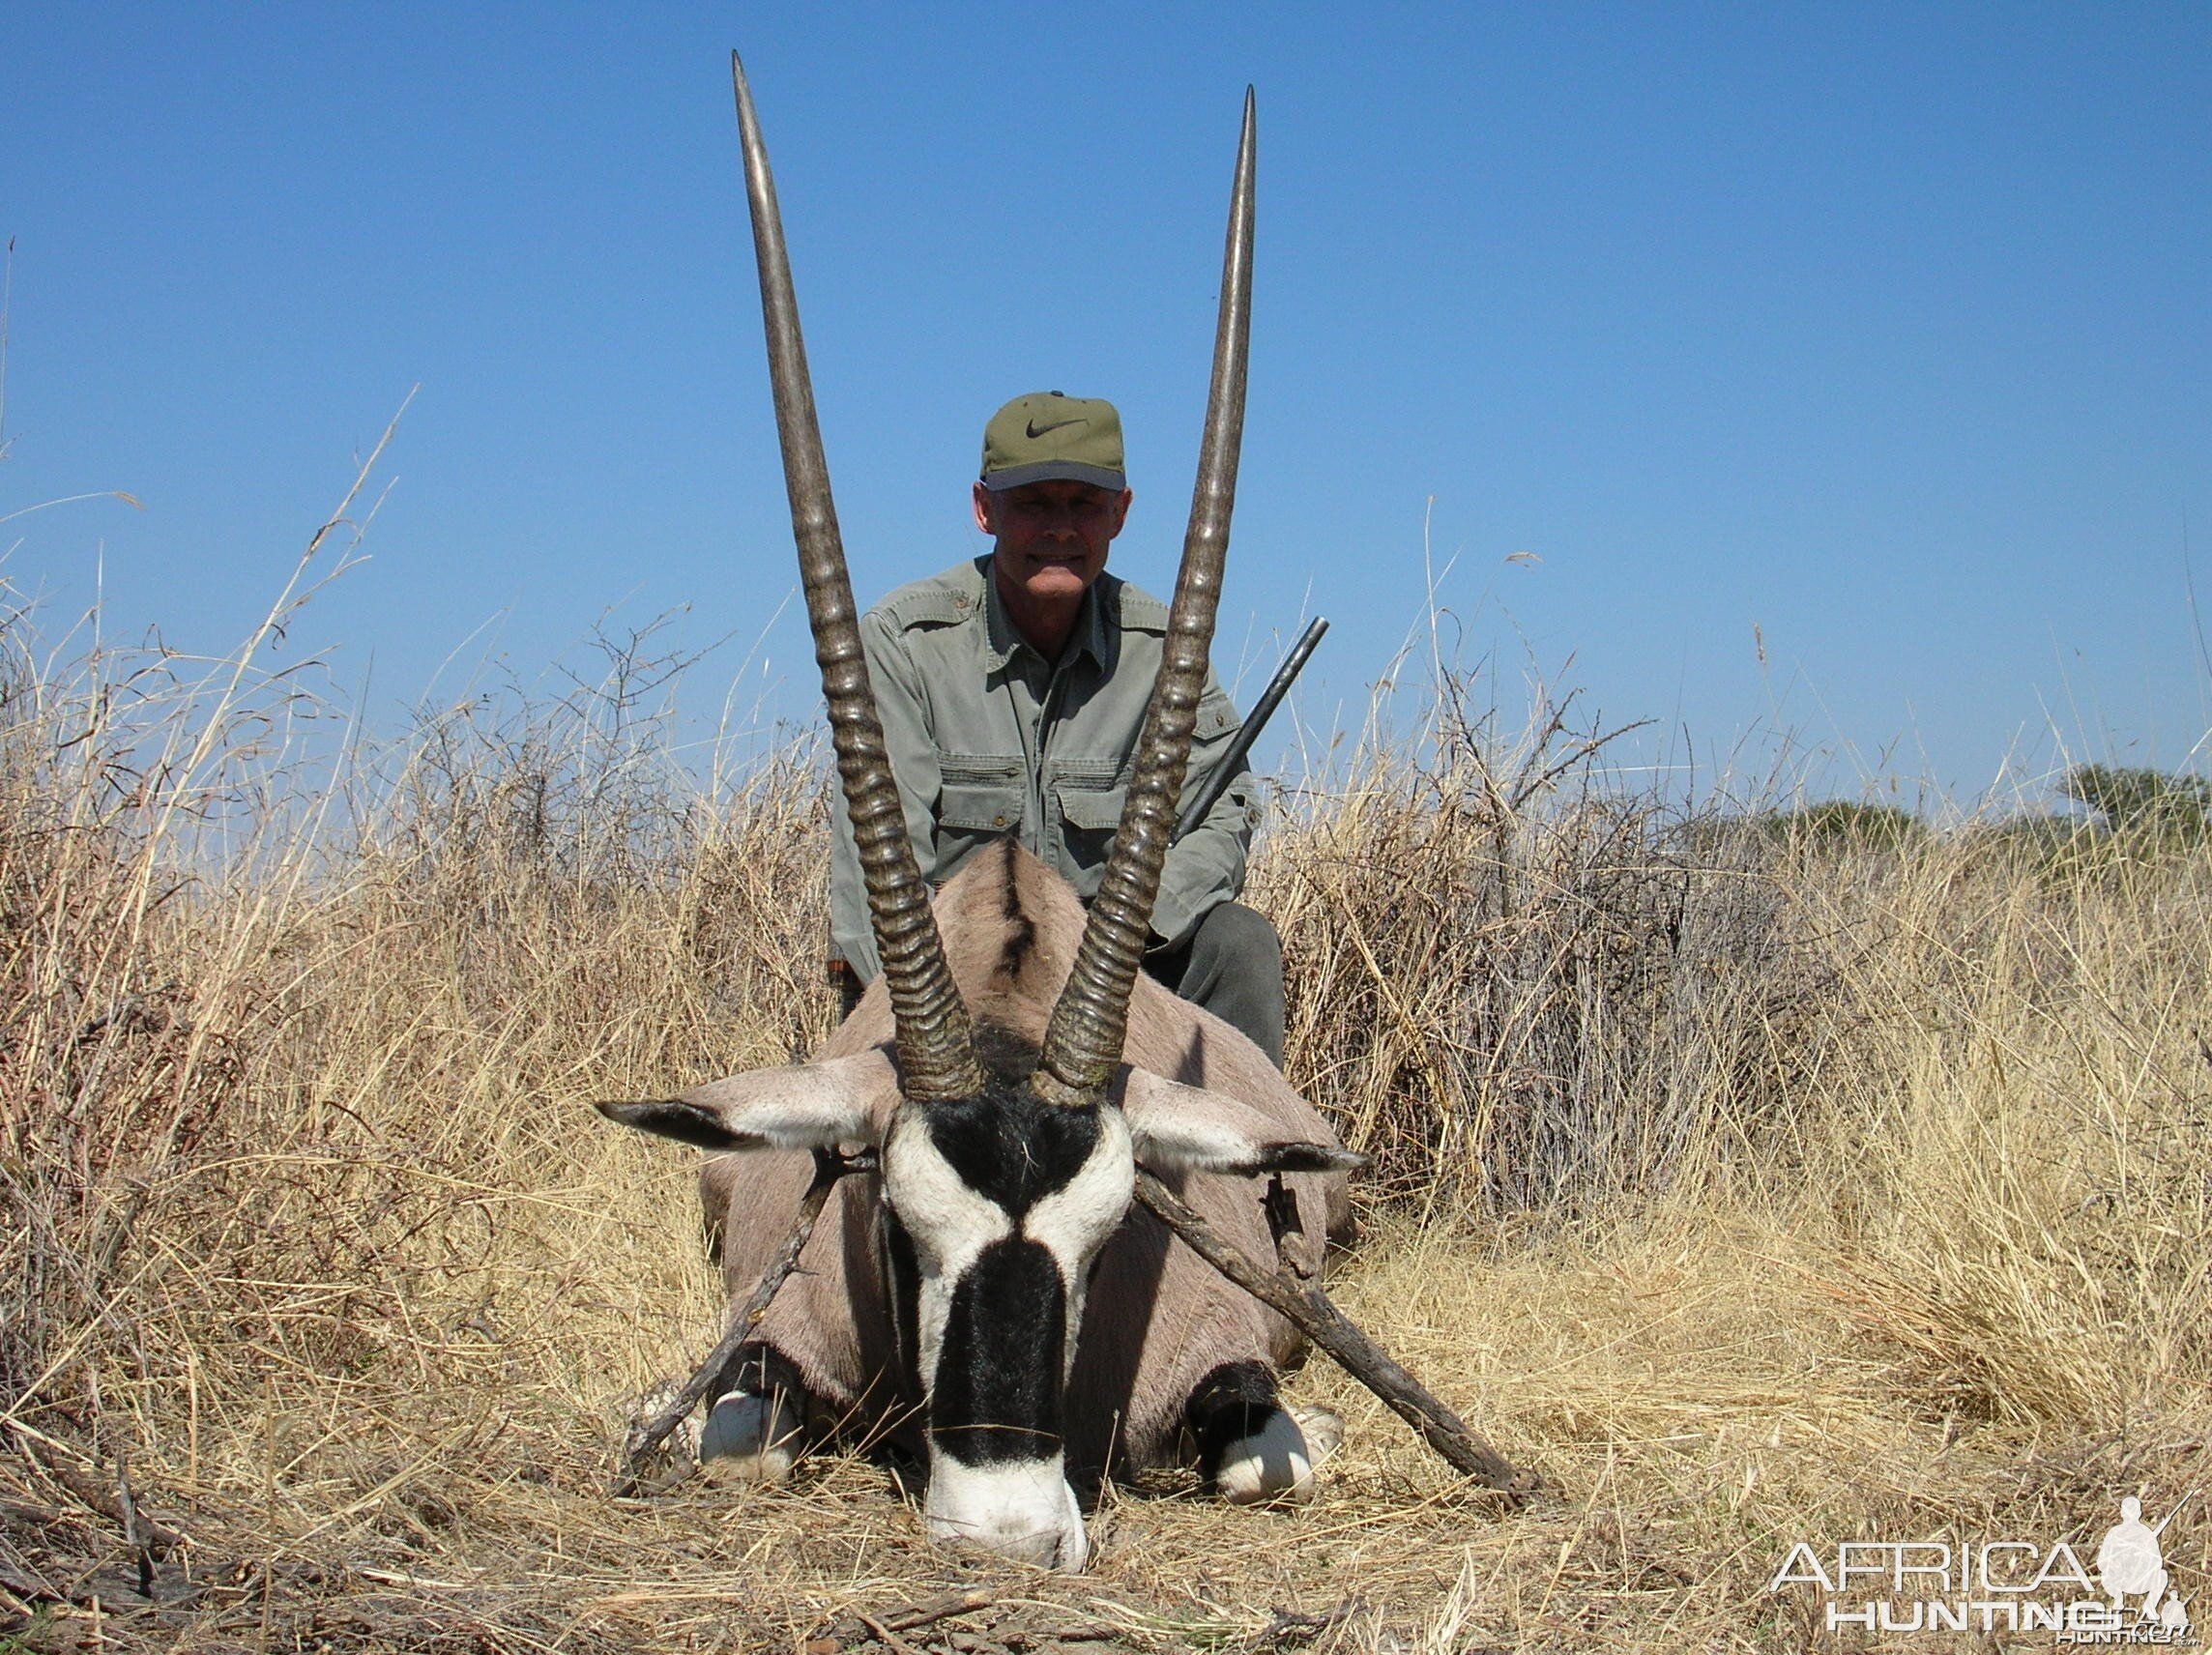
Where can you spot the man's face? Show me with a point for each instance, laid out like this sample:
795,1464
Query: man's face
1051,538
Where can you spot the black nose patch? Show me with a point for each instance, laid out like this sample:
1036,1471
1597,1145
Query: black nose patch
997,1396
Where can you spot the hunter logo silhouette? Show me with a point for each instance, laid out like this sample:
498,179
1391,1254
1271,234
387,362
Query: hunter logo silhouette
2131,1564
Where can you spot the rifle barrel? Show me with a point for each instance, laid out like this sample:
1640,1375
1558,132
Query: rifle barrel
1263,709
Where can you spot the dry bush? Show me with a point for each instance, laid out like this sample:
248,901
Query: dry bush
1528,991
1755,1188
124,1034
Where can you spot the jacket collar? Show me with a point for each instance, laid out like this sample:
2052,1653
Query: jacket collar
1002,640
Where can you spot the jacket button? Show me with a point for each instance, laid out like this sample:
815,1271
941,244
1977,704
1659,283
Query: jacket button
998,821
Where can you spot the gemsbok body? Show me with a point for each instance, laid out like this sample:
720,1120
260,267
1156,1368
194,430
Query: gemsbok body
989,1288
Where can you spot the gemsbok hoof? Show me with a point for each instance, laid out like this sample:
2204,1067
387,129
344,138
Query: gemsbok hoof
1324,1432
751,1440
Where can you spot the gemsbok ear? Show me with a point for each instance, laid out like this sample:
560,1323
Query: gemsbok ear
804,1106
1182,1128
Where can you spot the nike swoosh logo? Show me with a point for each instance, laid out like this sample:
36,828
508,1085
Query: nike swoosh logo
1036,430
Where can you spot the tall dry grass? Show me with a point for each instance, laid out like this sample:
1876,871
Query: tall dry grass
1755,1188
1528,991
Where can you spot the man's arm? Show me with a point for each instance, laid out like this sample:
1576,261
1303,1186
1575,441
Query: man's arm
904,714
1208,867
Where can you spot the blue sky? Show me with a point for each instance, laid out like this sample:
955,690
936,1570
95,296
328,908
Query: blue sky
1876,334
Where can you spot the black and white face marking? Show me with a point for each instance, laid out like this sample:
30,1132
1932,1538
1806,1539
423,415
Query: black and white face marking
1006,1201
998,1207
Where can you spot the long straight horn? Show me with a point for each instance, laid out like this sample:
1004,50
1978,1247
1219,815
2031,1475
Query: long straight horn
1083,1042
936,1058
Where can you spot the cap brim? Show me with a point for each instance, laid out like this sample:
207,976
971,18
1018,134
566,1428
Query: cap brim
1055,470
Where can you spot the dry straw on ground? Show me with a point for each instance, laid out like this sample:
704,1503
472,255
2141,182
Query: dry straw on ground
1755,1188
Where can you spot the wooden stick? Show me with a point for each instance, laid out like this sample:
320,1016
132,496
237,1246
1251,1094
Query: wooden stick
828,1166
141,1531
1310,1310
884,1635
930,1610
841,1629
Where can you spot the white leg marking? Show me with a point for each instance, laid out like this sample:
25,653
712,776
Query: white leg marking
1273,1463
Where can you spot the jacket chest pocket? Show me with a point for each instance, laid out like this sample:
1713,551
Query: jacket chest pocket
1089,810
979,797
1092,809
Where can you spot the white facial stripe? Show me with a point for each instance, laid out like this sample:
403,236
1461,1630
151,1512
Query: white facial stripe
1022,1509
948,1223
1074,1222
1071,1223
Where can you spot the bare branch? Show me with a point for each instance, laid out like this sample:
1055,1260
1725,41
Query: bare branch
1357,1355
643,1439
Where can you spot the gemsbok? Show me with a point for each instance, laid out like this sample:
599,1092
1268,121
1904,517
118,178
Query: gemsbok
989,1286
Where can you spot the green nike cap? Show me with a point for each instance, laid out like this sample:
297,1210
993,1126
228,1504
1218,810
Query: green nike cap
1048,436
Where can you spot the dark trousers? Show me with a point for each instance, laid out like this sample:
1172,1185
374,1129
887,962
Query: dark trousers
1231,966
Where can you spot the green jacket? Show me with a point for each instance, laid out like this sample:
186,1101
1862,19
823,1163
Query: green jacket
987,739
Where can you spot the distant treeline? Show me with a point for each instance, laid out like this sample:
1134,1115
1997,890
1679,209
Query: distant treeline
2129,802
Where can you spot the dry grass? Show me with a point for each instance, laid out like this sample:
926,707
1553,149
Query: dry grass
1754,1191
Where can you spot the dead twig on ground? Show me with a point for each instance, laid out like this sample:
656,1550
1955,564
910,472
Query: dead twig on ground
147,1538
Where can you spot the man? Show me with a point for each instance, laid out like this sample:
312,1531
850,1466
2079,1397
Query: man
1011,689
